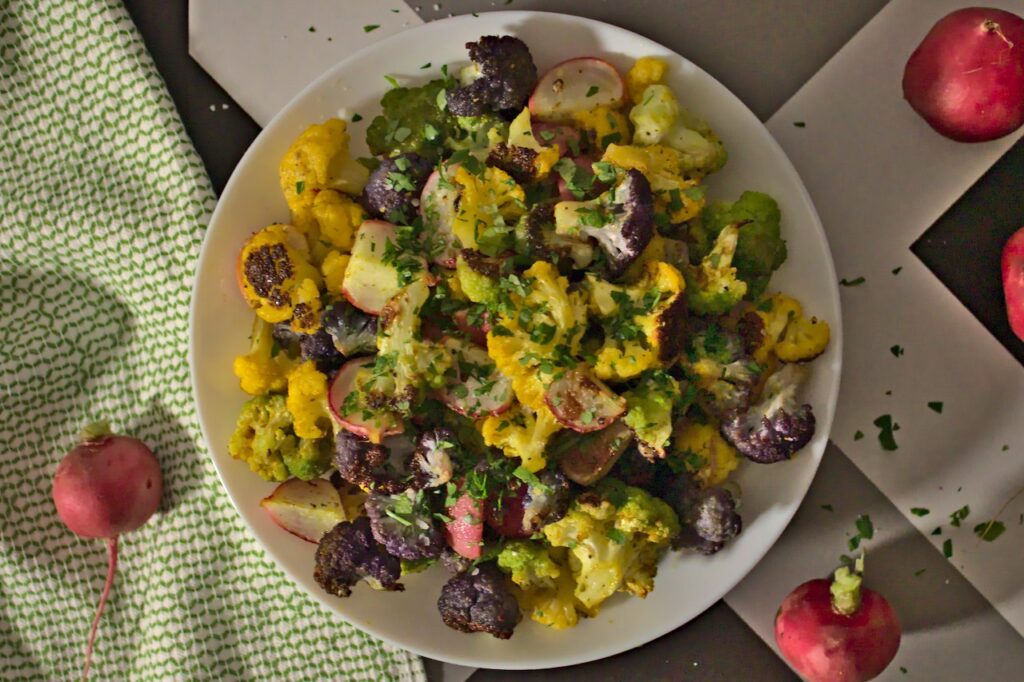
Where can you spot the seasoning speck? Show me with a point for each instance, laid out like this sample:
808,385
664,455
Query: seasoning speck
800,124
896,271
312,29
852,282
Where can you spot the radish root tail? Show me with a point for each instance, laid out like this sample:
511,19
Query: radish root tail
111,570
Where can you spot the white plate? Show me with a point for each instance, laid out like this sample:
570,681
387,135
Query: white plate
686,585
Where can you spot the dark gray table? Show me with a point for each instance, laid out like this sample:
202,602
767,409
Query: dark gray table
764,52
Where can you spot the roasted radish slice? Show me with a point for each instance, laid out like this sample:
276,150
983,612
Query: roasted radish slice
586,459
465,531
582,402
475,388
566,138
475,329
347,399
369,281
576,85
437,208
307,509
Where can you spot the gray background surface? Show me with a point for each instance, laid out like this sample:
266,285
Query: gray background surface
763,50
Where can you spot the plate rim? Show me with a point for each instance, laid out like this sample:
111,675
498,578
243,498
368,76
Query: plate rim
628,642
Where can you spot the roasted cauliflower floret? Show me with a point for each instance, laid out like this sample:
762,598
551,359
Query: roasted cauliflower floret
659,119
706,455
616,535
521,432
775,428
489,206
528,564
265,439
264,368
643,323
603,125
649,411
680,197
319,159
337,216
645,71
501,78
307,401
712,287
277,279
333,270
787,334
524,157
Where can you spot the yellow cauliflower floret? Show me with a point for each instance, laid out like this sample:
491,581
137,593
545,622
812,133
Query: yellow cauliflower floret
521,432
676,195
333,269
487,201
319,159
520,134
277,279
645,71
555,607
704,452
787,333
261,370
307,401
642,321
547,316
338,217
603,124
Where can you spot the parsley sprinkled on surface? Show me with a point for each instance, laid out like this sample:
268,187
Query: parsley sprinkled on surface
299,186
865,531
937,531
593,90
959,515
990,530
896,271
887,432
947,548
392,82
936,406
312,29
896,350
858,435
852,282
917,574
616,536
369,28
530,479
920,511
356,118
828,507
800,124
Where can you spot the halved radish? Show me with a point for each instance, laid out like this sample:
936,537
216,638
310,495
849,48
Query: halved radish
477,333
437,208
465,531
566,138
582,402
506,519
369,282
575,85
307,509
353,414
477,388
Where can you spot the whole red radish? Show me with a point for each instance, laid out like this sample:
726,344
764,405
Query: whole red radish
966,78
465,531
106,486
1013,281
837,630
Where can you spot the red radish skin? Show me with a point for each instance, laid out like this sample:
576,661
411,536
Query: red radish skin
106,486
966,78
1013,281
465,531
824,645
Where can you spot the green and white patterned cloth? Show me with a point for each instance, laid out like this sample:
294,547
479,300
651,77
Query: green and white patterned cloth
103,204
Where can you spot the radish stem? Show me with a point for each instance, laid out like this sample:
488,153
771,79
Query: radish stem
111,570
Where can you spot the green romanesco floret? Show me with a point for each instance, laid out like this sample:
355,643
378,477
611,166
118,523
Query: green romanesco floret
412,120
478,286
528,564
712,286
760,250
649,409
265,439
477,132
615,534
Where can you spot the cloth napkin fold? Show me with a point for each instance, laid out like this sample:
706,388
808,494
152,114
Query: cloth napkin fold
103,205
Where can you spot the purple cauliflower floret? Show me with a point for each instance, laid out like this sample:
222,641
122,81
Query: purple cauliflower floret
393,191
454,562
776,427
479,600
516,161
723,354
352,331
505,75
319,347
348,553
631,227
431,463
548,504
361,462
708,516
404,525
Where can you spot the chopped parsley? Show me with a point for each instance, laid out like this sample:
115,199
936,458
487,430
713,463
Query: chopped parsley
896,350
936,406
616,536
959,515
887,432
947,548
299,186
896,271
356,118
917,574
530,479
858,435
920,511
392,82
865,531
800,124
989,530
611,138
369,28
593,90
852,282
828,507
